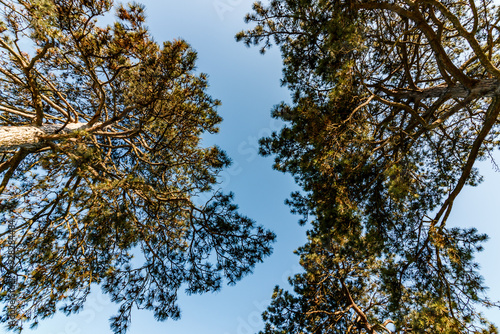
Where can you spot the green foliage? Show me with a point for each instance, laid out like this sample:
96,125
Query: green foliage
393,102
86,202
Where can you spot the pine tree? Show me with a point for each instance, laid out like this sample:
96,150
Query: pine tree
101,161
393,103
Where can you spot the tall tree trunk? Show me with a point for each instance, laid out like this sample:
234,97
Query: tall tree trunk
485,87
13,137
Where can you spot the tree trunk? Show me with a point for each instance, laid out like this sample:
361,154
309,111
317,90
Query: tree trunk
13,137
483,88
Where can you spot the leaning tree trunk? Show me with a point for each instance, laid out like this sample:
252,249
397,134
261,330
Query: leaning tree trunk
483,88
12,137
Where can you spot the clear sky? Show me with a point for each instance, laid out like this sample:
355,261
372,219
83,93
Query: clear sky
248,84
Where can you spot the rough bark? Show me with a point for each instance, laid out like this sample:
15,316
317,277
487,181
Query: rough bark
13,137
485,87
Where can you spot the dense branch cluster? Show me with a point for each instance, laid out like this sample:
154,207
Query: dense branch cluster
101,161
393,103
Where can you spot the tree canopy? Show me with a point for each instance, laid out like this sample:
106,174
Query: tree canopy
102,167
393,103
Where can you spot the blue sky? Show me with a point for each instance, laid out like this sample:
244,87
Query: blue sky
248,85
